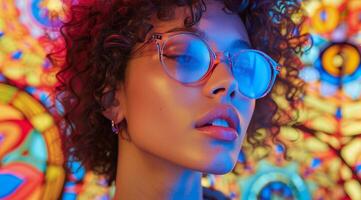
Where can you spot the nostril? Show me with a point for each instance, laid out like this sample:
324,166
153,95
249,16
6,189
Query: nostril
233,93
218,90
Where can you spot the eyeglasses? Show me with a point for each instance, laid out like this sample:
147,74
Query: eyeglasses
187,58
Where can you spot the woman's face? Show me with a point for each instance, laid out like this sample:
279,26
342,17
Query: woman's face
164,115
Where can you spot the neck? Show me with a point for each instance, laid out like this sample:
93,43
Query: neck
141,175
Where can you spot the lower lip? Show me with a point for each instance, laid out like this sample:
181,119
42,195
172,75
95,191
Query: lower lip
219,132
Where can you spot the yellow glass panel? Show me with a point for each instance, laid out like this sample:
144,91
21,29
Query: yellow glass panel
351,110
290,133
32,59
351,151
28,105
309,114
315,145
346,172
2,24
335,142
51,136
329,139
320,105
334,167
333,2
350,128
7,93
55,175
16,71
8,112
7,45
42,121
311,7
324,123
353,189
33,79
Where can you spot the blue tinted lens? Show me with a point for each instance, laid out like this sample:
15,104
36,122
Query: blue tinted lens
186,58
253,72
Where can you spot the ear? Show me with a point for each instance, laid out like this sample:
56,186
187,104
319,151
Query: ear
113,102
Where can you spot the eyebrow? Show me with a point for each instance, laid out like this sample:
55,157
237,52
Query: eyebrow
241,43
203,35
189,29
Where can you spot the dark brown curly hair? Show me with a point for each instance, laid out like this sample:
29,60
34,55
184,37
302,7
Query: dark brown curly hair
99,36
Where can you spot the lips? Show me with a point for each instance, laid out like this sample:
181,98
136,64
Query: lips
224,112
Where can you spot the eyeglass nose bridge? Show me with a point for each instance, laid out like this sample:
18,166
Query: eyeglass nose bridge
222,57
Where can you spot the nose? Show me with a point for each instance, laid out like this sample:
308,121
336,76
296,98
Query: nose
221,83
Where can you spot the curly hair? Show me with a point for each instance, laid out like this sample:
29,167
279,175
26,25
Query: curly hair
98,39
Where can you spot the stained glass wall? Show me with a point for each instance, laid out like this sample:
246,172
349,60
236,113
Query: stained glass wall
324,147
31,161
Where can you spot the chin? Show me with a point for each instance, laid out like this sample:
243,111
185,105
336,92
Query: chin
221,169
219,166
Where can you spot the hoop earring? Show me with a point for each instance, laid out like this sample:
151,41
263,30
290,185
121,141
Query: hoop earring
116,128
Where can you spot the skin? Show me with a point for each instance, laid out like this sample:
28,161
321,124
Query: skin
167,155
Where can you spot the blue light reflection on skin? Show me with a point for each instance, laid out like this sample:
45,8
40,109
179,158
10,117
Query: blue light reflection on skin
195,57
189,151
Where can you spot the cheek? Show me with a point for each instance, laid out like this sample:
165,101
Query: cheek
161,112
245,108
157,109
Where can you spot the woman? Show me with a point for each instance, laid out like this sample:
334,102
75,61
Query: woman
180,83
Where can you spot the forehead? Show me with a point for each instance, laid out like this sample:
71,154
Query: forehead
220,29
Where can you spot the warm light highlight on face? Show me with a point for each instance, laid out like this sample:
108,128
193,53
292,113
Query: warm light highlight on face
161,113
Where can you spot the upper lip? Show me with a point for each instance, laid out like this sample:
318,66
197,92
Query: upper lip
225,112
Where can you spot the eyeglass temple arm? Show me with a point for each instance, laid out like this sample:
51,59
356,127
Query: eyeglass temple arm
276,66
151,39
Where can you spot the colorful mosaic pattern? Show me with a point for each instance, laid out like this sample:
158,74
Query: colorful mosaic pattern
31,161
325,147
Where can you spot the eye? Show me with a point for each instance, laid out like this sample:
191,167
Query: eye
181,58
